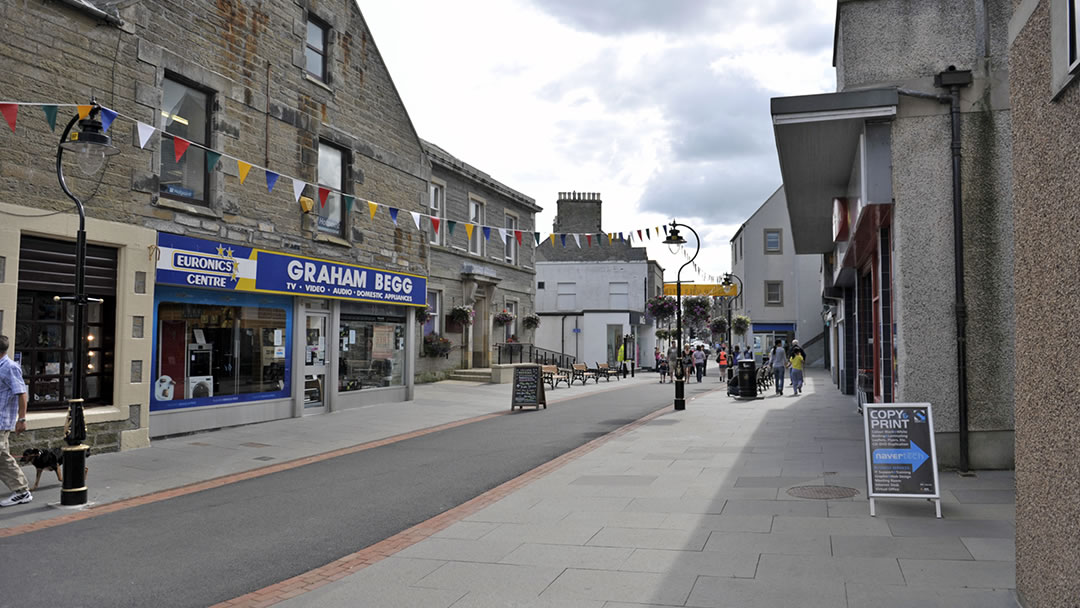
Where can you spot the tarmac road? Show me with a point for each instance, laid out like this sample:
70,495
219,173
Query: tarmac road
211,546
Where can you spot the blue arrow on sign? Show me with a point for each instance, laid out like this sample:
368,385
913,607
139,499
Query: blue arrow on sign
914,456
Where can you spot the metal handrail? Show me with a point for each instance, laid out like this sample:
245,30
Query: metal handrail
523,352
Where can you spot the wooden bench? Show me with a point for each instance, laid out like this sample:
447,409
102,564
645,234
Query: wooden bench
553,376
582,372
605,371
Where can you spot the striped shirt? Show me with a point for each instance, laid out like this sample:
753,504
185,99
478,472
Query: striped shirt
11,386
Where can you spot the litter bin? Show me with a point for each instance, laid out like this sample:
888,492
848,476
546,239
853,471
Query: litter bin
747,378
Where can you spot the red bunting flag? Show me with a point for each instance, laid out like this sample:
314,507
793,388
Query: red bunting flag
180,145
10,111
323,193
435,224
517,235
588,237
639,235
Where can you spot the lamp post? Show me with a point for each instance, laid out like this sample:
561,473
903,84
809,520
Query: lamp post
731,300
91,146
674,238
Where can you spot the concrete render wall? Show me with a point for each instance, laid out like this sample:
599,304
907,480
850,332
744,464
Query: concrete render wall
592,283
1046,188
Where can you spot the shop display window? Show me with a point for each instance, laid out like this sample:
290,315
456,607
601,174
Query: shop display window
372,350
44,337
209,351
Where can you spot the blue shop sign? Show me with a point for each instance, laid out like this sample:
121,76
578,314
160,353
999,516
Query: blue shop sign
193,262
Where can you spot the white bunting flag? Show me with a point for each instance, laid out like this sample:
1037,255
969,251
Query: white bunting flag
145,131
297,189
502,235
416,219
577,239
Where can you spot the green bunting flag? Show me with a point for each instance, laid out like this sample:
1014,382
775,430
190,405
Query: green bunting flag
536,235
450,225
348,203
50,115
212,159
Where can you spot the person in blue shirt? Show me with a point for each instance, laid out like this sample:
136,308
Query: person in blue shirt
12,418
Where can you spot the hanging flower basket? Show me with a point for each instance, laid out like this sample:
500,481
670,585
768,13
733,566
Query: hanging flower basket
740,324
718,325
531,321
503,318
660,307
696,309
437,346
462,315
662,334
422,316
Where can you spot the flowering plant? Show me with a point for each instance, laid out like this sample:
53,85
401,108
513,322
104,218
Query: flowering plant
660,307
696,309
422,316
503,318
462,315
718,325
740,324
436,345
662,334
531,321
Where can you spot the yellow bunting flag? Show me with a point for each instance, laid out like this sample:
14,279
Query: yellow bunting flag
552,237
468,230
610,237
244,168
84,111
372,207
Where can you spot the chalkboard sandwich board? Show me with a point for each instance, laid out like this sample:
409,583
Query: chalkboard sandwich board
528,387
901,458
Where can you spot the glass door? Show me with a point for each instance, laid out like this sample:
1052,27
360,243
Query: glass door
316,352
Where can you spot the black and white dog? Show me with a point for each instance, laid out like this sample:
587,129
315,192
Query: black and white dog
45,460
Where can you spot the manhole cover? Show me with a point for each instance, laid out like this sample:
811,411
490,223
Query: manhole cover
822,492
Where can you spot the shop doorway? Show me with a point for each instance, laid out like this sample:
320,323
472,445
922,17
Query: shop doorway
481,335
316,354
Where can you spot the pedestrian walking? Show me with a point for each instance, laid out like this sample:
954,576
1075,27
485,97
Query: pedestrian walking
12,418
778,360
699,362
797,360
656,356
721,361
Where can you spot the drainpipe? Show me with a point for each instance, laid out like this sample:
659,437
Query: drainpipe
562,335
953,80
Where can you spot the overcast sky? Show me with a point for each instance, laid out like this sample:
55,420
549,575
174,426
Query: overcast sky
661,106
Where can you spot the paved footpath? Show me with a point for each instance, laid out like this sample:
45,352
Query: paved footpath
682,508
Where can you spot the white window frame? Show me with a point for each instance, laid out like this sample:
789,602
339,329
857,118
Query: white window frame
477,242
618,295
435,298
566,296
511,328
436,209
511,253
780,285
333,197
779,232
323,52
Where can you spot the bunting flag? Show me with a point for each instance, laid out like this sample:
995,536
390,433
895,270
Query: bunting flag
50,115
588,239
415,219
665,231
297,189
107,118
552,237
610,237
639,235
180,145
10,112
647,234
393,214
562,237
212,159
536,235
323,193
502,235
621,239
435,225
577,239
271,179
243,168
145,131
84,111
468,231
372,208
348,203
450,225
487,233
517,235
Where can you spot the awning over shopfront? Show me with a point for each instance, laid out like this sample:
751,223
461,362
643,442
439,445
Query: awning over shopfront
817,137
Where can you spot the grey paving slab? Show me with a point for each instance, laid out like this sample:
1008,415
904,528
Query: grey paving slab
617,519
399,597
949,573
451,549
615,480
869,570
981,528
783,544
711,491
991,549
985,496
743,593
938,547
467,530
523,582
558,533
723,523
583,503
776,507
692,562
681,540
885,596
677,504
848,526
568,556
642,587
772,482
496,600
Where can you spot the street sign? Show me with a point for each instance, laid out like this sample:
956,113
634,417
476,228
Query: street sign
695,289
901,458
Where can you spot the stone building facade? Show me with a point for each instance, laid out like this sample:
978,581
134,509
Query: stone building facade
1044,85
492,272
293,88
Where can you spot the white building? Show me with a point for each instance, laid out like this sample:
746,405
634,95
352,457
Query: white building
781,290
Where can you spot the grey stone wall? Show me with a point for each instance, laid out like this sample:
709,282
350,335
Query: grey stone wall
101,437
1046,187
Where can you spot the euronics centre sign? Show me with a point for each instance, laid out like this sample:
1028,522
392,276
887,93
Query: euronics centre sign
193,262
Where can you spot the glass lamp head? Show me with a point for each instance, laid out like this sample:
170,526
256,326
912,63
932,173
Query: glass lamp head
673,237
91,146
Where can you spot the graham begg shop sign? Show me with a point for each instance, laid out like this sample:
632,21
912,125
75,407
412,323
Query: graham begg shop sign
200,263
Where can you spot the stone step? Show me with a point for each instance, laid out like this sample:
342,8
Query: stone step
471,375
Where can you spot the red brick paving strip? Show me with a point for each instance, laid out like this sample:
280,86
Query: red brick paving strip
349,564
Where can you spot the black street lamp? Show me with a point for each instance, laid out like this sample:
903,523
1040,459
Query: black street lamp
91,147
674,238
731,300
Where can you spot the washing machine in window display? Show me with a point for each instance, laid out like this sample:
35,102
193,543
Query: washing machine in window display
200,379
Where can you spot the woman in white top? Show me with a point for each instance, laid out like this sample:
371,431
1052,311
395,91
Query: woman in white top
778,358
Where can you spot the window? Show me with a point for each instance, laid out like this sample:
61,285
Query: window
1073,27
44,341
331,175
539,284
436,196
773,243
511,328
434,323
734,254
774,293
315,51
618,296
372,347
566,298
184,113
511,240
476,217
740,247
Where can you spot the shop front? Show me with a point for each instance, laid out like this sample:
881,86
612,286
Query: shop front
245,335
